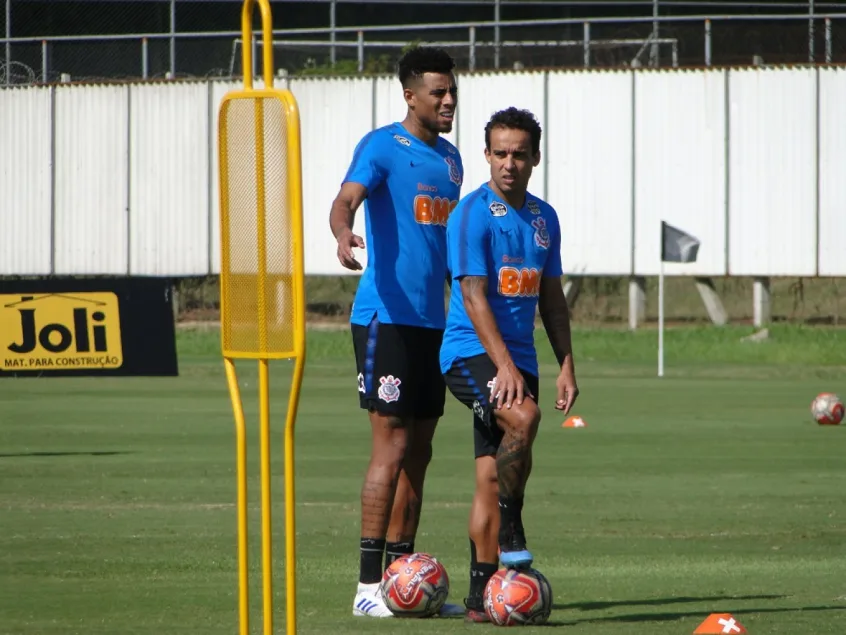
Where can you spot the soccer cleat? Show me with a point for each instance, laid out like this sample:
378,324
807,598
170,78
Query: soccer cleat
513,553
472,616
368,602
521,559
475,611
451,610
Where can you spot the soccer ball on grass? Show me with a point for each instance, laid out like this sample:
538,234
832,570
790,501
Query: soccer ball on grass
416,585
514,598
827,409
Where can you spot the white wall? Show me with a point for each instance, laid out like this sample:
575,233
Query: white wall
773,176
680,167
123,179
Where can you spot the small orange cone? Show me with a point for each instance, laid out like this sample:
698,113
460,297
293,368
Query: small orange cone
574,422
720,624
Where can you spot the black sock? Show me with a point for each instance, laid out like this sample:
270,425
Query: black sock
371,570
394,550
510,518
480,573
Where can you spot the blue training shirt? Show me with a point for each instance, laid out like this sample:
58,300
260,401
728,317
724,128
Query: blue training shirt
412,188
513,249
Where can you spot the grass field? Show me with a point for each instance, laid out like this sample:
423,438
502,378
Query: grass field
707,491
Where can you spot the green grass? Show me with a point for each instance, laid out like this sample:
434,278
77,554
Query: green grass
706,491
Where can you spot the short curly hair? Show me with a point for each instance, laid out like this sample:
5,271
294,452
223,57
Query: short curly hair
423,59
516,119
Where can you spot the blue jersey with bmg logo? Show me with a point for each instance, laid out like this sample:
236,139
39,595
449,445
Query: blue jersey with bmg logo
412,188
514,249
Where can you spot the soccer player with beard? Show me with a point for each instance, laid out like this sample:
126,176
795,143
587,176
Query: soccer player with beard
409,179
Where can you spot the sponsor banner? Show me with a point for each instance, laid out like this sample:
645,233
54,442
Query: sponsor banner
87,327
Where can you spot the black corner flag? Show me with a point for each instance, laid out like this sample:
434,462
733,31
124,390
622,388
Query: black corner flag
676,245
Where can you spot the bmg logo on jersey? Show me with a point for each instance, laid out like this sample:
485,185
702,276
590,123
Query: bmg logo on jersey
433,210
523,282
60,330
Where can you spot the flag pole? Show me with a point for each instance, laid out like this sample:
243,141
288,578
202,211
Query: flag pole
676,246
661,320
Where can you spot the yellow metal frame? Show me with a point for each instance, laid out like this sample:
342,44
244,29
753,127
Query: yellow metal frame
263,355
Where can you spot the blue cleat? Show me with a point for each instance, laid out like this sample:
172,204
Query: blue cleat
521,559
513,553
451,610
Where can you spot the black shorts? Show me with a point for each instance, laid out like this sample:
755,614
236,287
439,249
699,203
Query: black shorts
469,380
399,370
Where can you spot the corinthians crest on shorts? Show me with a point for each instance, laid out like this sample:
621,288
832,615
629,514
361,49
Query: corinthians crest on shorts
389,390
541,233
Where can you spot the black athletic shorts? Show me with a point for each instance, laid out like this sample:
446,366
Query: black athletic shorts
470,381
399,370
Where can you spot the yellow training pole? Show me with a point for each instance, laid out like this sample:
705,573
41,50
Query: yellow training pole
262,287
266,530
241,454
296,189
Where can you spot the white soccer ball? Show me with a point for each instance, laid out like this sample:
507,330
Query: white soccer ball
827,409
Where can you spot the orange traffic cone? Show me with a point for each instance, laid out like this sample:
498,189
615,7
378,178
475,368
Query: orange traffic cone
720,624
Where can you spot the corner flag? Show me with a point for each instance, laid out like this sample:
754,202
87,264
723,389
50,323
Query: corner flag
676,246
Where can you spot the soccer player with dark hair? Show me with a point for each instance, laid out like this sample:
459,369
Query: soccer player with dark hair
409,179
505,258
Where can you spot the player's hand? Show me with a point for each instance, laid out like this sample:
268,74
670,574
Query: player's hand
346,242
507,387
566,388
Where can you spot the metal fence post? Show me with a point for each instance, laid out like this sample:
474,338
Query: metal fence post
586,44
472,48
8,44
828,40
496,32
707,42
360,51
653,54
44,61
332,24
145,61
811,47
172,36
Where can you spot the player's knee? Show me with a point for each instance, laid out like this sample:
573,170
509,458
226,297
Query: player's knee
526,418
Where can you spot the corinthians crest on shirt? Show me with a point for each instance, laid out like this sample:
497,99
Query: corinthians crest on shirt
454,172
389,390
541,233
